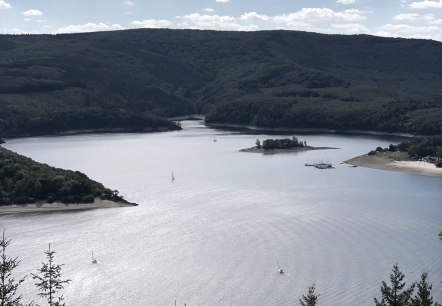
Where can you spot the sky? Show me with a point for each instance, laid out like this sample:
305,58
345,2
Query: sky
392,18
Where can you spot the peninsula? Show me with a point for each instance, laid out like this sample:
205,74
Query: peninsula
26,185
421,155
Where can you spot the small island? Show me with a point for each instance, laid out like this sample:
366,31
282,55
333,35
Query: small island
26,185
284,145
421,155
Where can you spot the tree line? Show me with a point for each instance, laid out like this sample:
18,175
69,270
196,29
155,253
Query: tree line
284,143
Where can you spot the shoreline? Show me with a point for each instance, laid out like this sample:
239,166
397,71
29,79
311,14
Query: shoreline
60,207
305,130
187,117
395,161
290,150
94,131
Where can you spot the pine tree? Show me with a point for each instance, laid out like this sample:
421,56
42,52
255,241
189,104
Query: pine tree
311,299
423,295
394,296
8,285
49,280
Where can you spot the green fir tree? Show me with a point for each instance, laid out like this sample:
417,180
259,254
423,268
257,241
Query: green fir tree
49,280
8,285
311,299
423,295
395,295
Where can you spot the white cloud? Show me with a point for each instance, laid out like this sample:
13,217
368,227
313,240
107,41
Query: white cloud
351,28
4,5
414,17
213,22
32,13
306,17
13,31
406,28
426,4
38,21
410,16
253,16
89,27
210,10
152,23
197,21
345,2
222,1
410,31
129,3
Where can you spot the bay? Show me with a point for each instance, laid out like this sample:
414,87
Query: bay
212,236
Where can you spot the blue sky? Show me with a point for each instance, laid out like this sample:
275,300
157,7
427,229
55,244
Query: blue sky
396,18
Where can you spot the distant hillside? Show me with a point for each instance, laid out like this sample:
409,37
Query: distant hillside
131,79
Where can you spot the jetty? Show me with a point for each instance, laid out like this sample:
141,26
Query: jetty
320,165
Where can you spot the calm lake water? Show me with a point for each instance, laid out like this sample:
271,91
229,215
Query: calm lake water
213,236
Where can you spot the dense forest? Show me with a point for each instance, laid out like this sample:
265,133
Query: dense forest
24,181
134,79
285,143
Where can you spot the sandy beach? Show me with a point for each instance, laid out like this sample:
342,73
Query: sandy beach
395,161
58,207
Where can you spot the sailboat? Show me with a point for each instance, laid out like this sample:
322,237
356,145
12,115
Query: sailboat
281,271
94,261
214,139
172,176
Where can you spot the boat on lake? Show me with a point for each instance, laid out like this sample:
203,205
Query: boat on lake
281,271
94,261
320,165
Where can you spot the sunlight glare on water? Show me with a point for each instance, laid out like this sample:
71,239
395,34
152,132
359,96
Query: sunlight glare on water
212,236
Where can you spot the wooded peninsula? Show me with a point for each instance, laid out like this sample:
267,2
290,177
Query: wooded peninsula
24,181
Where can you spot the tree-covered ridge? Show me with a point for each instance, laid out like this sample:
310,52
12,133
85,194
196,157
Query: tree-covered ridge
23,180
266,78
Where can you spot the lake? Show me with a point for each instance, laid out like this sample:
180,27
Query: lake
213,236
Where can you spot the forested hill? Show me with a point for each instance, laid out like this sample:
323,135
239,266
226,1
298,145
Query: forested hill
24,181
132,79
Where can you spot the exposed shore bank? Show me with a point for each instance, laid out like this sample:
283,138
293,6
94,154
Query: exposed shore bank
395,161
290,150
302,130
95,131
60,207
